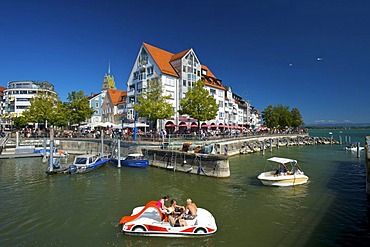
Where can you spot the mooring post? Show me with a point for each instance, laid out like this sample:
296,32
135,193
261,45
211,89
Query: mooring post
119,152
51,149
263,147
358,149
270,144
102,144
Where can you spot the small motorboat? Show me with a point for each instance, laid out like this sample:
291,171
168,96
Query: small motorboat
286,172
146,221
353,147
86,163
132,160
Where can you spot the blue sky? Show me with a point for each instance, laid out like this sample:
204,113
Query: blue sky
267,51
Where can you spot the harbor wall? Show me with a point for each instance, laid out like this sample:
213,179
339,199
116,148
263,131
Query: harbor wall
213,165
259,144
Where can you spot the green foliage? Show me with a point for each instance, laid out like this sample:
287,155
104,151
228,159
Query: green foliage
78,108
199,103
297,118
43,108
19,122
280,117
152,104
48,107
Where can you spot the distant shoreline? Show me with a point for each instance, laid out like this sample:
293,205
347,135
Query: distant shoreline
338,127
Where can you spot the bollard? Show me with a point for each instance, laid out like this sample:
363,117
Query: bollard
340,140
263,147
225,149
278,143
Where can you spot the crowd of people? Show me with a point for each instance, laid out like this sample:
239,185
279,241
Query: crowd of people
177,214
127,134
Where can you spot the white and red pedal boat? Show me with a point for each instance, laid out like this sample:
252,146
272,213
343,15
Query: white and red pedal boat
146,221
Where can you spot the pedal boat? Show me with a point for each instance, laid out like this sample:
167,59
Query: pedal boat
147,221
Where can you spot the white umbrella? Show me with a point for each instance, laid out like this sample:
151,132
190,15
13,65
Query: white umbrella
131,125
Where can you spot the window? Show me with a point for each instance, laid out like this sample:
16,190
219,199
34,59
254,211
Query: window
212,91
184,83
96,104
184,68
171,93
220,103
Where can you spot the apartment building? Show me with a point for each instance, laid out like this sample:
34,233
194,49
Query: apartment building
178,72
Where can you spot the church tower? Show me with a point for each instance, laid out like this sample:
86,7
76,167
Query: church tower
108,81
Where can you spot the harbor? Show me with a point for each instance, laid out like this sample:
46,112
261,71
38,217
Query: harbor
66,210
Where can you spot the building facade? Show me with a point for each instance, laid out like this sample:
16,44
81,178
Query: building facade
18,94
177,73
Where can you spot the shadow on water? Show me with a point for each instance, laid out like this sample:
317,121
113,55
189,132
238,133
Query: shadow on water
349,210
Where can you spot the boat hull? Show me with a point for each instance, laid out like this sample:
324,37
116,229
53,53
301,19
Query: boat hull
131,163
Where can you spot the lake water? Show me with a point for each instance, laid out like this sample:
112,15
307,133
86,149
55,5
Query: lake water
83,210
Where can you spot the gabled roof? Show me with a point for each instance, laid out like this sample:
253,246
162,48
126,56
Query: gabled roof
179,55
116,96
162,58
211,80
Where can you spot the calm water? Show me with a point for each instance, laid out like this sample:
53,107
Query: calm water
83,210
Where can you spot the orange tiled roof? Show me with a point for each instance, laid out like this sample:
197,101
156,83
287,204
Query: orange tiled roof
211,80
2,88
116,96
179,55
162,58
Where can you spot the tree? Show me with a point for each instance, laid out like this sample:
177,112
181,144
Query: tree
199,103
270,117
78,108
19,122
296,118
42,109
152,104
280,117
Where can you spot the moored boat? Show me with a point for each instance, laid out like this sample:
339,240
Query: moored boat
146,221
132,160
86,163
286,172
353,147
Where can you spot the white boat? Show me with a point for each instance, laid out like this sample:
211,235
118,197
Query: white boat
146,221
353,147
285,172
